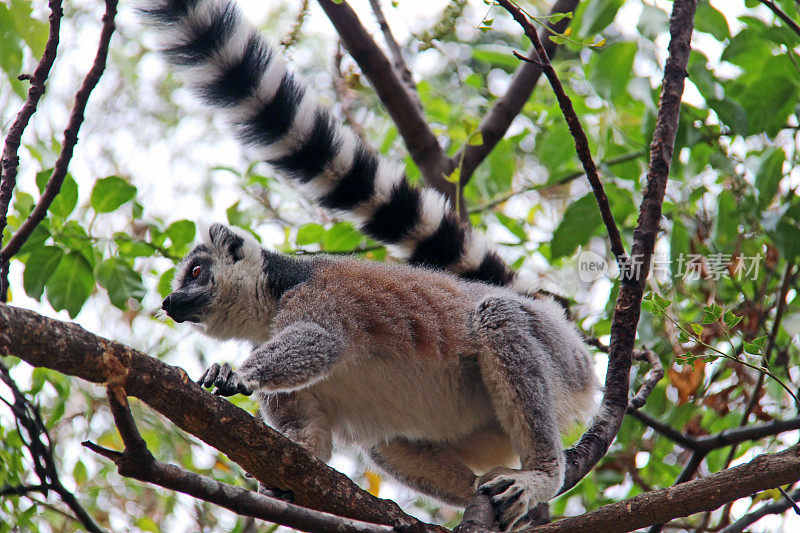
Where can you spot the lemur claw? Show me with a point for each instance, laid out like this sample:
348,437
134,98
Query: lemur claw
511,496
226,380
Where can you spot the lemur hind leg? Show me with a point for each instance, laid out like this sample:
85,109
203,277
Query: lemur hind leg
430,468
520,381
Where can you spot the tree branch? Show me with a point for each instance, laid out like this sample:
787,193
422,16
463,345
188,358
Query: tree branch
764,472
261,451
650,381
137,462
70,140
10,160
595,442
781,15
575,129
422,144
778,507
44,464
397,53
498,119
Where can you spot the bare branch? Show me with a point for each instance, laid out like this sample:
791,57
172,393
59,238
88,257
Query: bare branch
575,128
397,53
781,15
650,381
764,472
498,119
422,144
778,507
478,516
263,452
10,159
27,415
595,442
70,140
137,462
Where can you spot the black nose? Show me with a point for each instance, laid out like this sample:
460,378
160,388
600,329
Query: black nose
166,303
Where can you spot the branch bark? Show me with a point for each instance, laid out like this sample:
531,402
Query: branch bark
263,452
764,472
595,442
422,144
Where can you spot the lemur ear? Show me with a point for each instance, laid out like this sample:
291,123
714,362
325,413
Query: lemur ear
225,239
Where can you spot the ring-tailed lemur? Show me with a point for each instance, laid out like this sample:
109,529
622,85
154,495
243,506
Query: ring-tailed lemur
435,377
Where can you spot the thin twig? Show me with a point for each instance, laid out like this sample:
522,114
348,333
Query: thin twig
10,159
563,180
498,119
70,140
781,15
42,455
399,61
650,381
576,129
777,507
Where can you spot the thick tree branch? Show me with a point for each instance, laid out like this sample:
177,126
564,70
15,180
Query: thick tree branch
595,442
498,119
68,146
764,472
261,451
422,144
137,462
575,129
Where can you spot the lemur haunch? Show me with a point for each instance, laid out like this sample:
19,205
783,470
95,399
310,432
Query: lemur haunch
435,377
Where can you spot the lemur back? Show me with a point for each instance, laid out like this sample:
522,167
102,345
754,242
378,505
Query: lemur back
436,378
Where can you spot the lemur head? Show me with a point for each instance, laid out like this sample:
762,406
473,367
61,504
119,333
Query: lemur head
221,286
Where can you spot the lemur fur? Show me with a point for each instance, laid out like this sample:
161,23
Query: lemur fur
436,378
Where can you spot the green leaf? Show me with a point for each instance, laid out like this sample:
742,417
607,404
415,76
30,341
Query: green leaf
730,319
71,283
67,197
164,286
595,15
79,473
610,70
581,220
110,193
652,22
728,216
40,265
342,237
310,234
769,176
709,20
697,328
121,282
181,232
513,226
711,313
731,114
769,115
495,56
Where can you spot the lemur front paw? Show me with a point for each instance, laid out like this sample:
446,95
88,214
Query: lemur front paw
226,380
515,492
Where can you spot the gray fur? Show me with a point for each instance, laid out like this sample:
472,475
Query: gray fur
436,378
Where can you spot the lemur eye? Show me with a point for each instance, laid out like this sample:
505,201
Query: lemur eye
196,271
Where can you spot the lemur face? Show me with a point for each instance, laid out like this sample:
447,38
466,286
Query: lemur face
216,284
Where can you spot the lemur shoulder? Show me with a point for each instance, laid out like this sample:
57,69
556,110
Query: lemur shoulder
437,376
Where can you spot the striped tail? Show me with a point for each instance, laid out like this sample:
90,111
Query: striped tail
235,71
